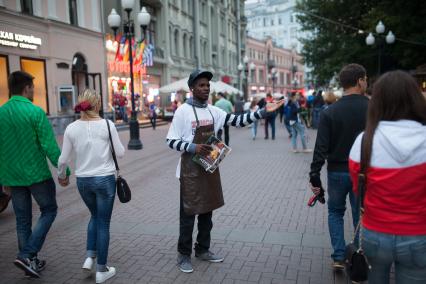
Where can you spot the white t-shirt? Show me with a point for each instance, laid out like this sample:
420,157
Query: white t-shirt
89,142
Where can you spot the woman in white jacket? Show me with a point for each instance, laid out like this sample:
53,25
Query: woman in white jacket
394,153
88,139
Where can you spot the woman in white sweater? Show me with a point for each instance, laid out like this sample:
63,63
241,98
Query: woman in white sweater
88,140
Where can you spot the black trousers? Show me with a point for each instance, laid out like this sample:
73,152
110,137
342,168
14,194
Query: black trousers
226,130
186,228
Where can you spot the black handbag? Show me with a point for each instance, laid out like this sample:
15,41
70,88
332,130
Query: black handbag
356,263
123,190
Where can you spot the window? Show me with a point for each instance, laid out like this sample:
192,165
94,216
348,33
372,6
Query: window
282,78
191,47
279,21
176,43
185,47
152,26
73,12
4,73
27,7
37,68
288,79
253,76
261,76
183,5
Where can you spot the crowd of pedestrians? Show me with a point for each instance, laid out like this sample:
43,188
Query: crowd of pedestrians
392,150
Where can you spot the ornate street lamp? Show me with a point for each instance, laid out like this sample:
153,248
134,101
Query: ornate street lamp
114,21
389,39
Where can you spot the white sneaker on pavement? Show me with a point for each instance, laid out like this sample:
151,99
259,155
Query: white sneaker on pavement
101,277
88,264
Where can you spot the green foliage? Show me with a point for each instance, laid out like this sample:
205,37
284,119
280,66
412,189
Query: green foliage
333,41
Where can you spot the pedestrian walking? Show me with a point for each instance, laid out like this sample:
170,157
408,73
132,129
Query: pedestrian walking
153,115
394,156
270,119
239,105
339,125
26,140
88,138
287,114
253,108
200,191
227,107
295,122
318,105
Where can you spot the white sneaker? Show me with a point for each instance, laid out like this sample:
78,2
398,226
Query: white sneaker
88,264
101,277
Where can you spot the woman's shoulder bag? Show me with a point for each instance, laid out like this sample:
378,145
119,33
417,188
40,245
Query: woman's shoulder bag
123,189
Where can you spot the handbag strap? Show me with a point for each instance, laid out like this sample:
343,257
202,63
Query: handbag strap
112,148
362,180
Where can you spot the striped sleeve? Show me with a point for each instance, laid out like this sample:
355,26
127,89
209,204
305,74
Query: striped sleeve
244,119
180,145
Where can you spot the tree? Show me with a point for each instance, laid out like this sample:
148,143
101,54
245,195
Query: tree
337,30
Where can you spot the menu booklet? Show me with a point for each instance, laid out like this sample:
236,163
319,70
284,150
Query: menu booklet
216,155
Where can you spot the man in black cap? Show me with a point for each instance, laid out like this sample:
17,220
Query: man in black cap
200,191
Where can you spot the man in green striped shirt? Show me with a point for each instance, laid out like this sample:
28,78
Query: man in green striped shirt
26,140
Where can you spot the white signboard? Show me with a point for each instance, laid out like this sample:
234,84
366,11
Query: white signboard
19,40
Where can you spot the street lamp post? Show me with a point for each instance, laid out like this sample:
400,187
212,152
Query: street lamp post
114,21
390,39
246,67
274,74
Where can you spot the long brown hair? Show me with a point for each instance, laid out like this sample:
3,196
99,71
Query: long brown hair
396,96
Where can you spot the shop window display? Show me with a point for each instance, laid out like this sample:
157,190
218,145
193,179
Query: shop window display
4,91
37,68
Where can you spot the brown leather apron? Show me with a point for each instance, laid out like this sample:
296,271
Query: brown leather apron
201,191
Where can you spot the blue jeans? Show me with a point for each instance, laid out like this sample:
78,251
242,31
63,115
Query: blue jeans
288,127
44,193
270,119
254,129
339,186
407,252
316,112
98,194
298,128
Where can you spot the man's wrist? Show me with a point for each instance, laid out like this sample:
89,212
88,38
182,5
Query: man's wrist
191,148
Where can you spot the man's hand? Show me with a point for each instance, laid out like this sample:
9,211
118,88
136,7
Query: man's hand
64,182
315,183
270,107
203,149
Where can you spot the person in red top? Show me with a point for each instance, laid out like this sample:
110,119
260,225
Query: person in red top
394,150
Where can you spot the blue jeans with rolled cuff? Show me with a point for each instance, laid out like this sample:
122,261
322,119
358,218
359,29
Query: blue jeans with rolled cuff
98,193
339,187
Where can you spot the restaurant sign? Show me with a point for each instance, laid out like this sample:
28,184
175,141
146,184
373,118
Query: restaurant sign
19,40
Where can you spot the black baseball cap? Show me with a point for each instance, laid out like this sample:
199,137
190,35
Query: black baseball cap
199,74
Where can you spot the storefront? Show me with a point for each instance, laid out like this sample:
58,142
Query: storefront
63,59
118,67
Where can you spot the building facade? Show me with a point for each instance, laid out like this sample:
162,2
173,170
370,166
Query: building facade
272,69
59,43
276,19
184,35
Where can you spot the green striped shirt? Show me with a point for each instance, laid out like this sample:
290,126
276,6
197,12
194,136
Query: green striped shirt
26,139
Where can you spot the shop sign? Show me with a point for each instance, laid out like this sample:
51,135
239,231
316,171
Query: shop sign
124,67
19,40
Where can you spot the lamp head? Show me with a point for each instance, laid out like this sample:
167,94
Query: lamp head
144,17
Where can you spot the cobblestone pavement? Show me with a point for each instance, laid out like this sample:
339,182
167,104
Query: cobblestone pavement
265,230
